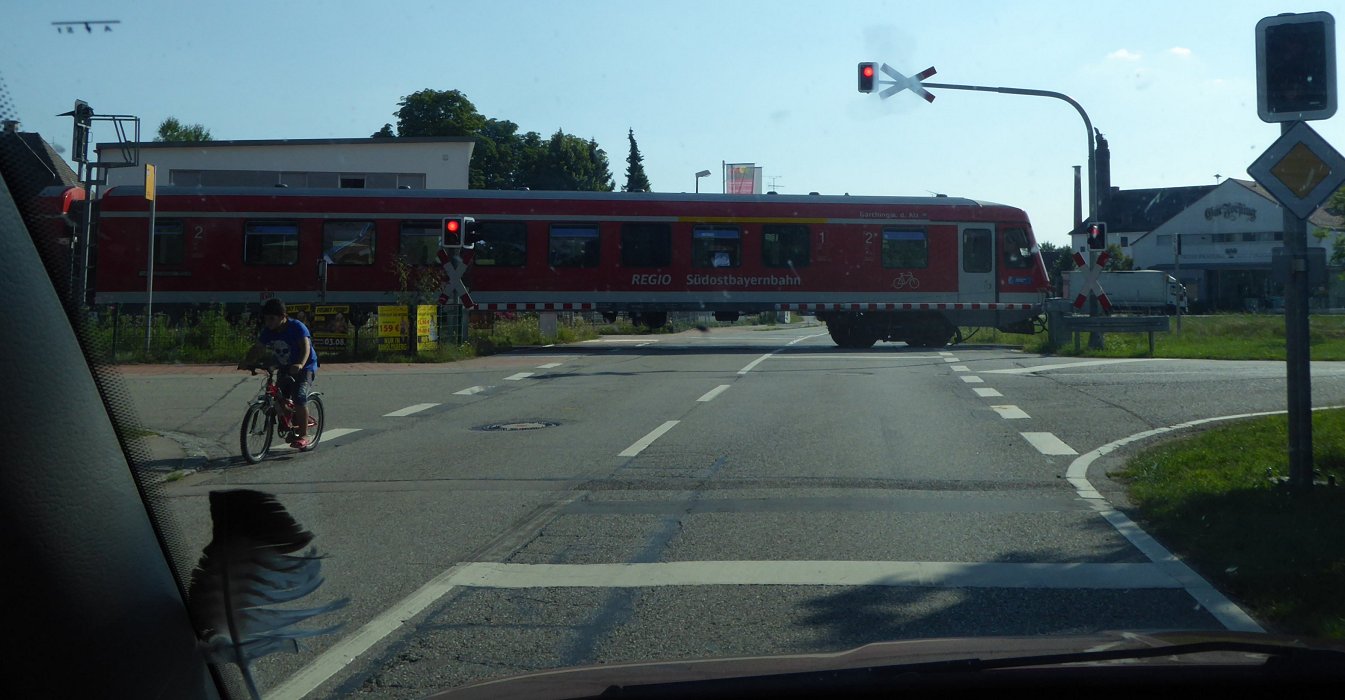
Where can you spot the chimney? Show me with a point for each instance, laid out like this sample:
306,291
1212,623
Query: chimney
11,126
1103,172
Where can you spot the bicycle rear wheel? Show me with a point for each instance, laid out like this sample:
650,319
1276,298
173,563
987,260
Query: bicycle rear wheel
254,437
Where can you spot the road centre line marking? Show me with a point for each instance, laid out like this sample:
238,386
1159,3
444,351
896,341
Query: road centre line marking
986,392
946,354
846,356
815,573
950,359
417,408
1068,365
972,379
1048,444
550,365
1010,412
516,377
756,362
961,368
711,394
470,390
647,440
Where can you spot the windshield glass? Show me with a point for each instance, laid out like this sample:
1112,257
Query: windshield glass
553,388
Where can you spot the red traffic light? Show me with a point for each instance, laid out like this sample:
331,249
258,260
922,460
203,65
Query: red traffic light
867,73
453,226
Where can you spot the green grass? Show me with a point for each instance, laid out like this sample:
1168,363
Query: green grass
1222,337
1216,499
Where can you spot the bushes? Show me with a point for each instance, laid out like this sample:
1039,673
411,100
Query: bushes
200,336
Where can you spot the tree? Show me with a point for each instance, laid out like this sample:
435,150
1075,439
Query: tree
171,129
385,132
636,180
438,113
568,162
1118,261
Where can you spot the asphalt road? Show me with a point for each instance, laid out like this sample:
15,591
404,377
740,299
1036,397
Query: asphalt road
737,492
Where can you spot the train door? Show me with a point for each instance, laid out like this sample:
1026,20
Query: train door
976,263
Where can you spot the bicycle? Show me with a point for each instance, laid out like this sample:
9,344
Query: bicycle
270,409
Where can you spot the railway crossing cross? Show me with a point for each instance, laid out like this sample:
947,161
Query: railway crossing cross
1091,283
454,289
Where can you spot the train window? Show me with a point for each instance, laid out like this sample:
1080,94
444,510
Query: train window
646,245
785,245
905,248
1017,249
348,242
168,243
270,244
574,245
716,246
501,244
420,242
977,250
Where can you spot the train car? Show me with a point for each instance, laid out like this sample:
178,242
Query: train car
910,269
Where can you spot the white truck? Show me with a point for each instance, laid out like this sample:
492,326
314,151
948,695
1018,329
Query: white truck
1150,291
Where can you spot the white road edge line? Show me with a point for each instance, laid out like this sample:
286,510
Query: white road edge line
1224,610
470,390
550,365
1010,412
1049,444
711,394
516,377
417,408
986,392
972,379
647,440
1068,365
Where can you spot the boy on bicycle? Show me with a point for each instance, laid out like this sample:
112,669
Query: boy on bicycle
289,340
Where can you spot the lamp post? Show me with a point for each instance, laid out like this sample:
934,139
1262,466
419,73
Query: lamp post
699,175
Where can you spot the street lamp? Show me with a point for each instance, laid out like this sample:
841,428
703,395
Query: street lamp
699,175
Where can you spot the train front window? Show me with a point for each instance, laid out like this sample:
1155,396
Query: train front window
1017,249
501,244
905,248
420,242
785,245
348,242
716,246
271,244
574,246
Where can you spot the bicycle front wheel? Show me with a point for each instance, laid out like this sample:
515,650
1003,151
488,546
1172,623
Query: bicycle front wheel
316,420
254,437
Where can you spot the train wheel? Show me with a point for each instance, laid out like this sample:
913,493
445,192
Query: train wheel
653,320
840,333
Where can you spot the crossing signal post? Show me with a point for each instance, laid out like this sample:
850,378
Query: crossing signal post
868,73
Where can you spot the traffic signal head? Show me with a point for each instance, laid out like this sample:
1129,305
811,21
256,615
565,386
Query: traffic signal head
453,227
471,232
868,72
1097,236
1296,67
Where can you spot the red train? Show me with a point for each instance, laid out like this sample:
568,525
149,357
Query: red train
908,269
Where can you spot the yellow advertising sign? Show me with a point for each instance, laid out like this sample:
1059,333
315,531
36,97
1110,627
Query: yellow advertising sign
331,327
427,327
393,327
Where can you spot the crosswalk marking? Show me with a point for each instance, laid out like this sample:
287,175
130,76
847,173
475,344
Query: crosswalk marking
417,408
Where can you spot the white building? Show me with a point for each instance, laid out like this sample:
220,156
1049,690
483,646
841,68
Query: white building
1217,239
376,163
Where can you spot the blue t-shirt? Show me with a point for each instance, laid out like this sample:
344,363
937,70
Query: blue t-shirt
287,343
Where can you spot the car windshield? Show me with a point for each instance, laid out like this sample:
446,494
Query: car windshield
927,354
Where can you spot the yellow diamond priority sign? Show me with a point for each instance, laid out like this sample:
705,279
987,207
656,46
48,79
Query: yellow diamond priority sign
1301,170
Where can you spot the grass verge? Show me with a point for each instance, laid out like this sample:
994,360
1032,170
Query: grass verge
1222,337
1216,500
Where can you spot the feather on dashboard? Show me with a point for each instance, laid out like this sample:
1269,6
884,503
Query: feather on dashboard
248,567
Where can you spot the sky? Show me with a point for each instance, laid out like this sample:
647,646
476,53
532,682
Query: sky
1171,85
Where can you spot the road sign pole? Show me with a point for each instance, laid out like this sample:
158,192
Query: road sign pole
1297,351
